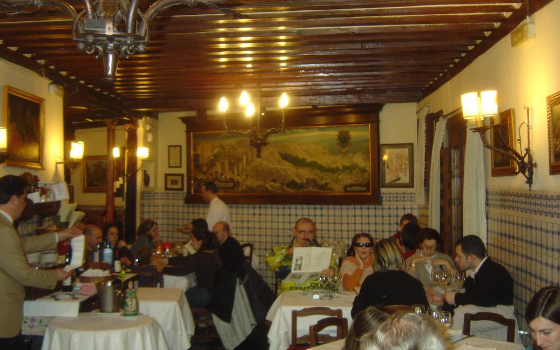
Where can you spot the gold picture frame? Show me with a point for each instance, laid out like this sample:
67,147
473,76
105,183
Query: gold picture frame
553,117
502,165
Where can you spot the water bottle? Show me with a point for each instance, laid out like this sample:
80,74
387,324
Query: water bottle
108,254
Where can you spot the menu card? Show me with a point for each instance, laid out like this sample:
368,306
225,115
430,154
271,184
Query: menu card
307,263
78,246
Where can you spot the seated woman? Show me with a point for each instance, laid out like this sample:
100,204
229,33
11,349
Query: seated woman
203,263
365,321
147,236
428,258
357,266
389,284
408,239
145,270
543,317
111,234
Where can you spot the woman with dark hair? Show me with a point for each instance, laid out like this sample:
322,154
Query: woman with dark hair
408,239
112,235
357,266
389,284
428,258
365,321
203,263
147,236
543,317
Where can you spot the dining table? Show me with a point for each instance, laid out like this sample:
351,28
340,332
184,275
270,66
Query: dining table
469,343
179,282
98,331
280,313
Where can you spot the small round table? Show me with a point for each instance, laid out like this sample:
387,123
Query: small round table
99,331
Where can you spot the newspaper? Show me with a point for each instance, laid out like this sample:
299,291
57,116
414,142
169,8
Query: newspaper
307,264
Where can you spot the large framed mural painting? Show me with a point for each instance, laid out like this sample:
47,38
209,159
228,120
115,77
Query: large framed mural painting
319,159
94,171
24,121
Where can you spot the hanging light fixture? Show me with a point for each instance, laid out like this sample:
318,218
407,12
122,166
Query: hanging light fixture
111,29
142,153
256,134
76,154
478,107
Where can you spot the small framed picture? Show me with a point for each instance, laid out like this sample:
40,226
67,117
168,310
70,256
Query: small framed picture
502,137
174,156
397,165
174,182
553,112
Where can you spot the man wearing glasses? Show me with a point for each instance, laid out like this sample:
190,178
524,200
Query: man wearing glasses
280,259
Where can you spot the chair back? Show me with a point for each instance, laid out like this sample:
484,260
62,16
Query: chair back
490,316
341,330
249,255
147,276
310,311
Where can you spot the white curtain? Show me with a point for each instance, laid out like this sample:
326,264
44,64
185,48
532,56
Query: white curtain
474,188
421,155
435,175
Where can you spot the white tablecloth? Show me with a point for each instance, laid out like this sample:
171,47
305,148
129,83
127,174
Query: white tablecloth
104,332
171,310
280,314
472,341
179,282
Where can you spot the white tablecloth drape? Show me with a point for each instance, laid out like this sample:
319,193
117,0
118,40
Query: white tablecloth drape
169,307
104,332
179,282
280,314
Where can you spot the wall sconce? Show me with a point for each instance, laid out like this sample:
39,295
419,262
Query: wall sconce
486,105
76,153
3,145
142,153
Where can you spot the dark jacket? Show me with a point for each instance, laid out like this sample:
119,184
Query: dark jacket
203,263
231,252
389,288
491,286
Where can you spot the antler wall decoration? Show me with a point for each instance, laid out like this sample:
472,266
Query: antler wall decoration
111,29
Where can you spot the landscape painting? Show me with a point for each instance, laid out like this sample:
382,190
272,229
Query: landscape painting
325,160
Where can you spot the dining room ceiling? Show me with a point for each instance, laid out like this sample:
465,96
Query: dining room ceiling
321,52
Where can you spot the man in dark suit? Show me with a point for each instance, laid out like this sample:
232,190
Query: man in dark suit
230,250
15,272
488,283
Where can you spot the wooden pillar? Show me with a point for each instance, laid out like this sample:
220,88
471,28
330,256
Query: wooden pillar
110,195
131,188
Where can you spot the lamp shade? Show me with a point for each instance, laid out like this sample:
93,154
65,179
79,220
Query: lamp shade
223,106
469,104
488,103
116,152
142,152
77,150
3,138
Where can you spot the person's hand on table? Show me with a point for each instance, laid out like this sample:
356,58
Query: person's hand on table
68,233
419,260
329,272
434,299
449,297
61,275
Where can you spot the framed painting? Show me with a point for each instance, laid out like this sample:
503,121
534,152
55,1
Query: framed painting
397,167
94,170
553,113
174,182
24,121
174,156
500,137
323,156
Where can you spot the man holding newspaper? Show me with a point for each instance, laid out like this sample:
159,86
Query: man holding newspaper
299,264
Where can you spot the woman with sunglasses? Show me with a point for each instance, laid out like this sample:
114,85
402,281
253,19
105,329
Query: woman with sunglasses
357,266
427,257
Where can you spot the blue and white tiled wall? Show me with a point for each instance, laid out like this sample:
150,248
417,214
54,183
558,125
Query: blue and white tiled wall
523,235
269,225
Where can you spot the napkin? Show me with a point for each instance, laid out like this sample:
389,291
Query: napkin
78,246
470,347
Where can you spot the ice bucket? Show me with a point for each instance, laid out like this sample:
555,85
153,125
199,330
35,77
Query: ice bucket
109,296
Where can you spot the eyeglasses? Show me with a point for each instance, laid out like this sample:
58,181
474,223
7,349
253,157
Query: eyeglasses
428,248
309,233
360,245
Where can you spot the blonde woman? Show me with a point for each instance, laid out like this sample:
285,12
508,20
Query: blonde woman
389,284
357,266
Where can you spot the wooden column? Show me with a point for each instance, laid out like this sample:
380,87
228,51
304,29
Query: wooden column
131,188
110,195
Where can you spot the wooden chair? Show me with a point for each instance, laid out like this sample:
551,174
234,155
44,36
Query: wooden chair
311,311
148,276
341,330
249,257
490,316
204,327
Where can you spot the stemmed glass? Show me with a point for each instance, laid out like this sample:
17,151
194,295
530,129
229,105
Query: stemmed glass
437,277
435,312
324,280
446,319
457,279
446,278
336,280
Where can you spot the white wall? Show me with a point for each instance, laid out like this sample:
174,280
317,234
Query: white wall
523,76
53,150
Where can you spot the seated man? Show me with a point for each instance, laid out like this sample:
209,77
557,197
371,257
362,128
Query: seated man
94,237
280,259
230,250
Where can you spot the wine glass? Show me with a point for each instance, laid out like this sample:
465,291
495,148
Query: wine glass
446,278
435,312
446,319
419,309
437,277
323,280
337,280
457,279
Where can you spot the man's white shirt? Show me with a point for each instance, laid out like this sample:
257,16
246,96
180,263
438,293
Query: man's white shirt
217,211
